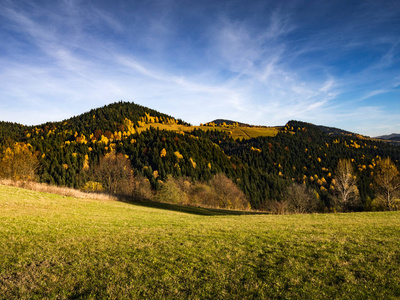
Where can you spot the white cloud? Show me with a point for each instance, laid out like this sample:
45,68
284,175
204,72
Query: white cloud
247,73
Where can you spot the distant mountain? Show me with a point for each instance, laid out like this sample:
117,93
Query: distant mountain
391,137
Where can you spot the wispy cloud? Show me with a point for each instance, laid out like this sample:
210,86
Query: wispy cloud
260,63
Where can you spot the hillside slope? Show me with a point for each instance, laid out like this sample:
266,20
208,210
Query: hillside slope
64,247
68,248
157,145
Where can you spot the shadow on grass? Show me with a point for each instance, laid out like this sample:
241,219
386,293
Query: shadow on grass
188,209
63,191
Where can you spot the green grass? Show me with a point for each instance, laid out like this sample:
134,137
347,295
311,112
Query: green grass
55,247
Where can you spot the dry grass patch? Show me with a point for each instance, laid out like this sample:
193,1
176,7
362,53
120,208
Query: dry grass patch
52,189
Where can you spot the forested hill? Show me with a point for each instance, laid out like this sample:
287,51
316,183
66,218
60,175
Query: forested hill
107,118
263,168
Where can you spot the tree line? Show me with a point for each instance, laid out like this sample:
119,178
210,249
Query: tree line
295,171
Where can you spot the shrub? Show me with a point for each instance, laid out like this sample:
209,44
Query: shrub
171,192
201,194
92,186
142,188
226,194
276,207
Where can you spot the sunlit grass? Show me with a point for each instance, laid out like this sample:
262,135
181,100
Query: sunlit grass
240,132
63,247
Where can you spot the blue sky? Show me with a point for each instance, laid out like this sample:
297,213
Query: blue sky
334,63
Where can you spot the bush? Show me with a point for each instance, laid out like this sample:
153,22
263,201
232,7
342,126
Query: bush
380,204
220,192
201,194
226,194
93,186
276,207
170,192
142,188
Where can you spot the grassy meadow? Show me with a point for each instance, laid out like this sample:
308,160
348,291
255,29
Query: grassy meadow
240,132
60,247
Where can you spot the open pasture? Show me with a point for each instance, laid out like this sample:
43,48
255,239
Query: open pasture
57,247
239,132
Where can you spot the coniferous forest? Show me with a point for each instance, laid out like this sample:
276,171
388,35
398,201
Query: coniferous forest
303,168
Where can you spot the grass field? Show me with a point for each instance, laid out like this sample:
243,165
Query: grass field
240,132
57,247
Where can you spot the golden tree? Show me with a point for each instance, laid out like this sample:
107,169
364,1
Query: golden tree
17,162
387,180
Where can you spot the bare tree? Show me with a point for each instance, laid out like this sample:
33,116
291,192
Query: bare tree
115,173
346,184
387,179
300,199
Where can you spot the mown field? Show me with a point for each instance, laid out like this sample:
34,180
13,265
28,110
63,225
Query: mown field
55,247
240,132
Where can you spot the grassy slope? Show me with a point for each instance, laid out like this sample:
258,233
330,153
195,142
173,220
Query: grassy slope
63,247
236,132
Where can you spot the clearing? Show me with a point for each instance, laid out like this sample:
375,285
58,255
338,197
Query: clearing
238,132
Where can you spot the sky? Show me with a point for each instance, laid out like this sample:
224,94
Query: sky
333,63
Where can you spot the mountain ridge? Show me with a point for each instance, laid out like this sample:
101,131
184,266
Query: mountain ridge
393,136
121,106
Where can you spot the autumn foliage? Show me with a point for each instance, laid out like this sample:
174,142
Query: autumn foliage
17,162
387,181
163,154
220,192
115,173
